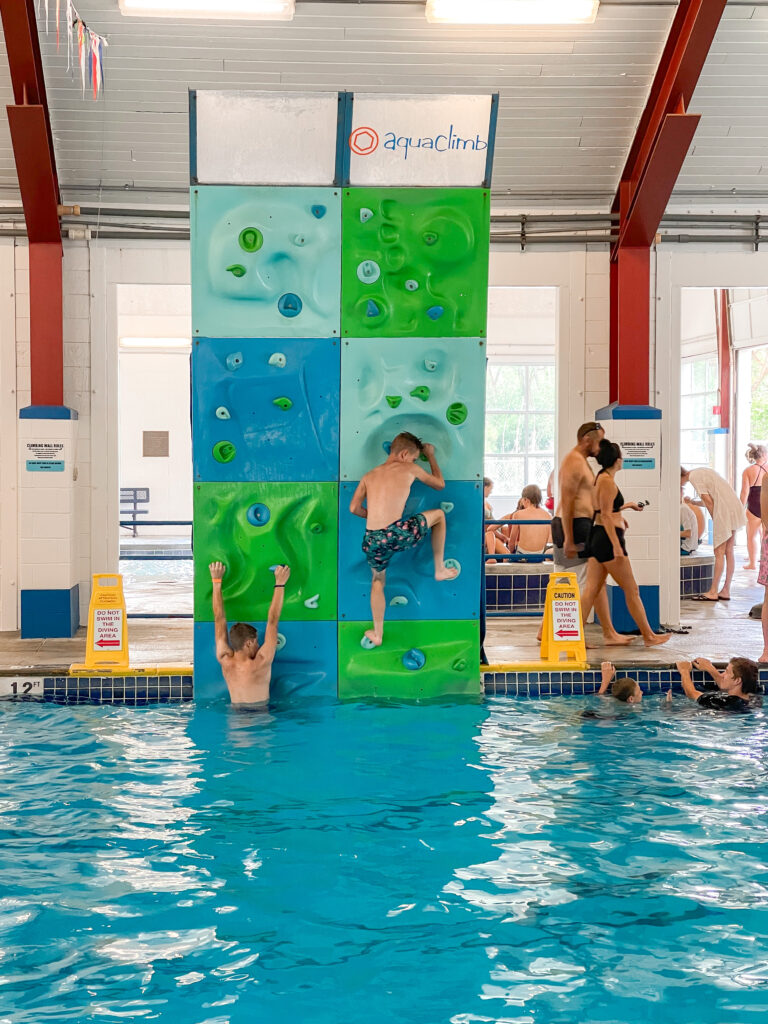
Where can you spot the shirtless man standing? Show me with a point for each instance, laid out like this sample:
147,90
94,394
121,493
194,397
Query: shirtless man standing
246,667
528,540
385,491
572,523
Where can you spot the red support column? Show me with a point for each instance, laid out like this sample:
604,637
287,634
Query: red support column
724,357
663,137
38,183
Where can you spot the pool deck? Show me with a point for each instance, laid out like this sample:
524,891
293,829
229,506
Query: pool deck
718,632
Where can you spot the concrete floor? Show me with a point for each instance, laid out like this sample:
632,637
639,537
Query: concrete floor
718,631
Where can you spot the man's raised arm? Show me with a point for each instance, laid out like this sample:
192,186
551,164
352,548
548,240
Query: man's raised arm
223,650
269,647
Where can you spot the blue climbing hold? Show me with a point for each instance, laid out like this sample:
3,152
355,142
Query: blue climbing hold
387,446
372,309
289,304
435,312
414,659
258,515
234,360
319,211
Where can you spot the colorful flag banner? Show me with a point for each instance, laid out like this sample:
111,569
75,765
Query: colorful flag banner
90,45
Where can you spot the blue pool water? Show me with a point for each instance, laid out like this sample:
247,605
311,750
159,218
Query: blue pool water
510,862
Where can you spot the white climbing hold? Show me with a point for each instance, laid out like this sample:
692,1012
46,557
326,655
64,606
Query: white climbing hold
430,365
453,563
365,214
399,600
446,506
367,644
280,641
312,602
277,359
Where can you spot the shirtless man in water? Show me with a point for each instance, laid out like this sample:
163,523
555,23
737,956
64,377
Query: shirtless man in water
572,523
385,491
246,666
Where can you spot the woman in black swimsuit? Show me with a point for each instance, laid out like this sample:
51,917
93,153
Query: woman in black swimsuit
751,482
607,551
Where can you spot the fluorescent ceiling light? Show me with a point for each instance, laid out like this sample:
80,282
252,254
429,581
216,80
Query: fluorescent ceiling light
512,12
273,10
155,343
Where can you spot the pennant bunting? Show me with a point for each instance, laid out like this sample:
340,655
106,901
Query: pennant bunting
90,45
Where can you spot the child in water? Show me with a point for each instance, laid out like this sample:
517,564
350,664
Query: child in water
624,689
385,491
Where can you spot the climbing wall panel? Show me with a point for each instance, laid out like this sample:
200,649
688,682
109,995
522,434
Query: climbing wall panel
265,261
412,590
418,660
252,526
435,388
415,262
266,409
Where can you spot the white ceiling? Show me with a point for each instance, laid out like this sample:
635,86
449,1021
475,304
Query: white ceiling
570,96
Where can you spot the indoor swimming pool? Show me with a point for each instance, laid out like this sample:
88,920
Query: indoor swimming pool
517,862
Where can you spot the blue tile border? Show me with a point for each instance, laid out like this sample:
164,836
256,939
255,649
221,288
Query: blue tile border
132,691
534,685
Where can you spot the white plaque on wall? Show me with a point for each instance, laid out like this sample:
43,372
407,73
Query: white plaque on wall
420,140
263,138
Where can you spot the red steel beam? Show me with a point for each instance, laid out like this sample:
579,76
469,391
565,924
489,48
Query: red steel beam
724,356
661,143
30,127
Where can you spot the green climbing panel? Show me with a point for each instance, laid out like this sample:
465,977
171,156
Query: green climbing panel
414,262
251,526
451,653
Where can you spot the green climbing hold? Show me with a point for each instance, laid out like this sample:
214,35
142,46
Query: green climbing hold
236,269
224,451
393,401
251,240
459,664
430,237
283,403
456,414
316,528
422,393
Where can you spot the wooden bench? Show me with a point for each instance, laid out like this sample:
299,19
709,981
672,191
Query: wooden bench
130,499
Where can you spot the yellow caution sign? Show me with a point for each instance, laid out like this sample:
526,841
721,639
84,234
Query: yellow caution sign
106,647
562,638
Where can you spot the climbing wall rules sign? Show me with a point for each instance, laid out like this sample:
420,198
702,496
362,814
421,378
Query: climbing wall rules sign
639,454
108,629
44,456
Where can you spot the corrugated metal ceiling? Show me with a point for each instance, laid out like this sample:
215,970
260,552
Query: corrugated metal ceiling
570,96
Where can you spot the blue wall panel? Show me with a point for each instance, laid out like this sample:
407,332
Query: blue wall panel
272,441
411,573
423,385
306,663
265,262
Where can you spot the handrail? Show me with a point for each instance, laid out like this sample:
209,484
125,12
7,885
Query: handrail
156,522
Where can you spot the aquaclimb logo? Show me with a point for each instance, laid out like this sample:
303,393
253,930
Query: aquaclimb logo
364,141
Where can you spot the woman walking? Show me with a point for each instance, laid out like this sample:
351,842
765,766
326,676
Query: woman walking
751,481
607,551
721,501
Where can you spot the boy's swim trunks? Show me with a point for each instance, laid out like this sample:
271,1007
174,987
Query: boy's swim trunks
380,545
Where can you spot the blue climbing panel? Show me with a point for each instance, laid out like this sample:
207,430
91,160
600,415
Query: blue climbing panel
265,262
276,401
433,387
305,664
412,591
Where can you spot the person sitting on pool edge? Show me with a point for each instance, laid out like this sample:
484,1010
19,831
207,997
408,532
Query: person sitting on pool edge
246,666
736,686
624,689
385,490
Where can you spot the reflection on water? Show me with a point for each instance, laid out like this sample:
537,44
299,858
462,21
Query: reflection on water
323,863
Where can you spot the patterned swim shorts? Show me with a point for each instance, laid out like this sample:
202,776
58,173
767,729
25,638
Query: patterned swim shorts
763,574
380,545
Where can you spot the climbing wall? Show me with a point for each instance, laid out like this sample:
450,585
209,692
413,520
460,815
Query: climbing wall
326,320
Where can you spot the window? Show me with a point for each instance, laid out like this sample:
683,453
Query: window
699,395
519,429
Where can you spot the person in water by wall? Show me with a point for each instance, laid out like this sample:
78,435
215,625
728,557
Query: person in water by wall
751,484
607,551
380,499
246,665
624,689
736,686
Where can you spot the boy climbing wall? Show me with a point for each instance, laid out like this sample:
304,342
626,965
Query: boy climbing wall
385,491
